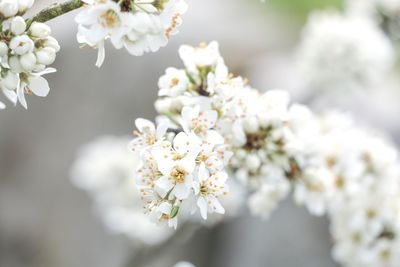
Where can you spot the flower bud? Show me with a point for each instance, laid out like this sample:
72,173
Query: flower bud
15,65
10,80
18,25
53,43
28,61
253,162
21,44
39,30
24,5
46,56
3,49
251,125
8,8
163,105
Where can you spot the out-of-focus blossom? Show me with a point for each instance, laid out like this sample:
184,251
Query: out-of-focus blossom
340,52
106,169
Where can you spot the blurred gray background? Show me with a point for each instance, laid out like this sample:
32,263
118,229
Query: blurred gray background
46,222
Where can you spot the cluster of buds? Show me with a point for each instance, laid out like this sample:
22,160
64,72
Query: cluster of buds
26,49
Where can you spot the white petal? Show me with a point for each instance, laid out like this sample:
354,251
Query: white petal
203,174
165,208
11,95
161,130
144,125
39,86
186,144
217,206
21,95
202,204
181,191
163,186
2,106
101,54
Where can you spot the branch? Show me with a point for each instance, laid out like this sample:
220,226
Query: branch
55,11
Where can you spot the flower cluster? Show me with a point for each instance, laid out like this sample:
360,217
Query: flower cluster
343,51
139,26
334,166
366,185
26,49
106,169
181,169
257,127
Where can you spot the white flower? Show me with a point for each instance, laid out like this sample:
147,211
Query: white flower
201,122
173,83
176,164
163,214
184,264
148,135
33,84
200,57
21,44
210,187
140,27
343,52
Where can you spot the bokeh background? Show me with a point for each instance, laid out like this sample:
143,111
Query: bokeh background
46,222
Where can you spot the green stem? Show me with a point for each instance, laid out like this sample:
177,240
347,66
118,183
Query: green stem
55,11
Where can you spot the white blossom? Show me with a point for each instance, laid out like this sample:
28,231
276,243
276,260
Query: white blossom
24,58
340,52
140,27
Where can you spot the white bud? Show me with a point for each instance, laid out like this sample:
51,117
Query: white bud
3,49
46,56
8,8
24,5
253,162
21,44
28,61
15,64
39,30
53,43
10,80
163,105
251,125
18,25
241,154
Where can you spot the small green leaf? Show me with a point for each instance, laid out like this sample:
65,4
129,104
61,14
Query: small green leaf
174,212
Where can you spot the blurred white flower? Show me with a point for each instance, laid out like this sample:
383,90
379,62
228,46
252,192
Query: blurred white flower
184,264
106,169
340,52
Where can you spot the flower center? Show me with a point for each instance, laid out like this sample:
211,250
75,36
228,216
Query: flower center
174,82
179,175
204,190
109,19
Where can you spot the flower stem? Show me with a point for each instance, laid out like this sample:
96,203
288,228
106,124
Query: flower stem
55,11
